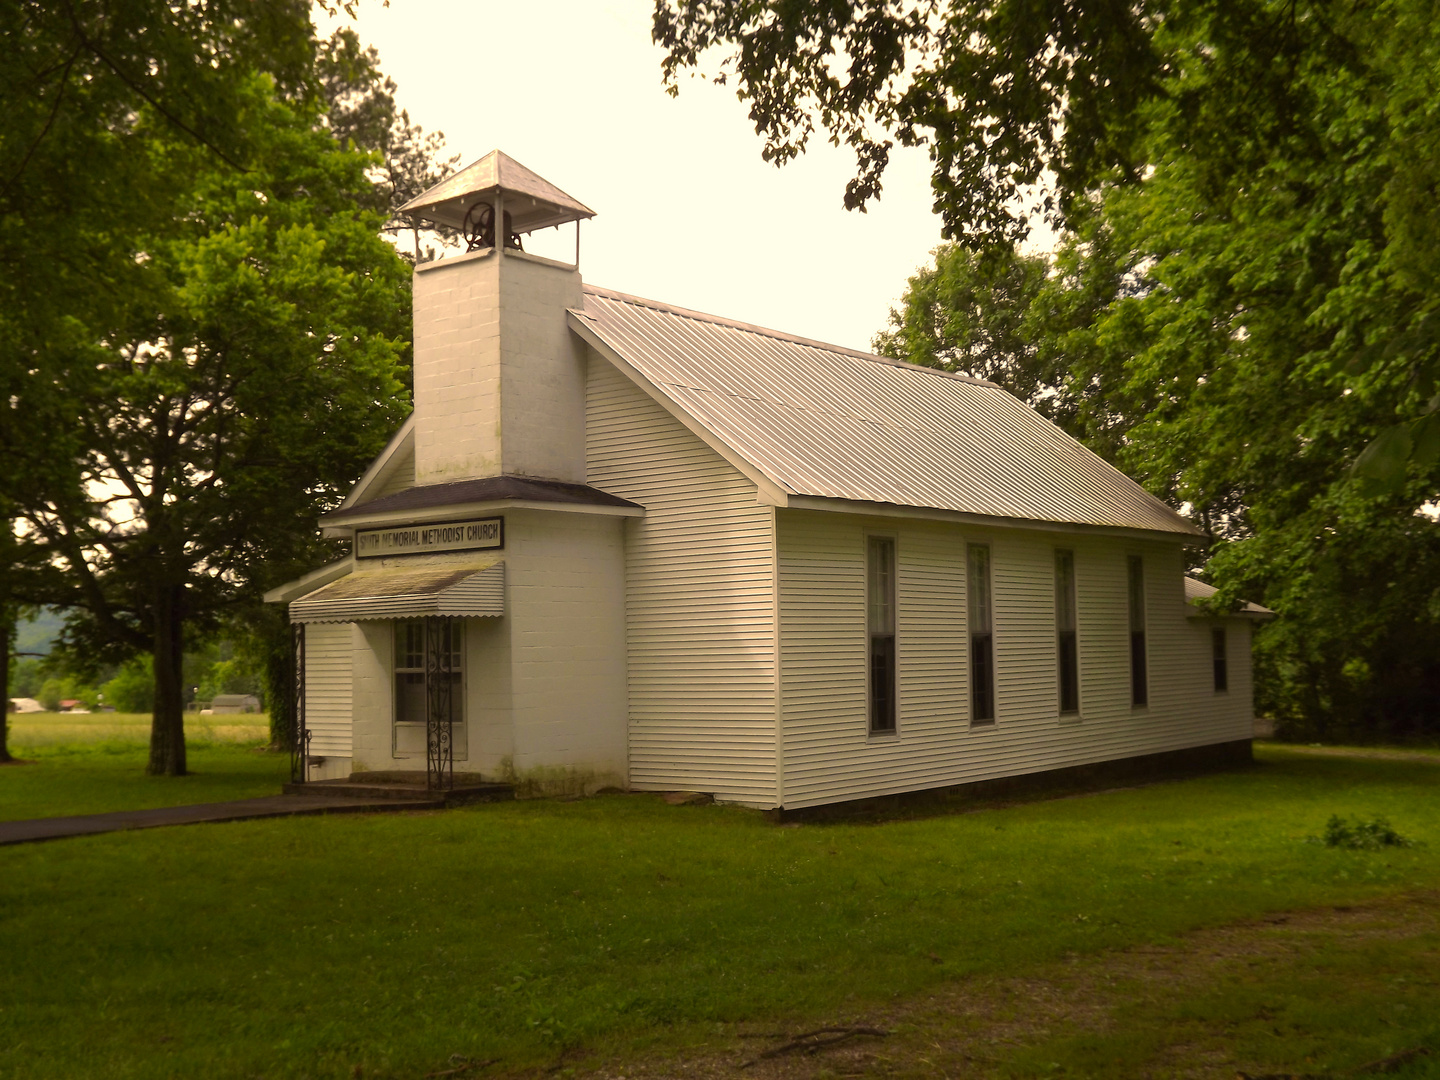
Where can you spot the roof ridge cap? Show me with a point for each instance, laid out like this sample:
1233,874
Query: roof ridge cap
780,335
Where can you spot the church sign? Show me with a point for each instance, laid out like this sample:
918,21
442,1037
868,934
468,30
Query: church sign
427,539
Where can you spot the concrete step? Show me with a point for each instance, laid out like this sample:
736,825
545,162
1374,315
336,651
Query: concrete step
408,792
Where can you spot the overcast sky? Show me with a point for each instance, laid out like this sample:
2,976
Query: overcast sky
686,212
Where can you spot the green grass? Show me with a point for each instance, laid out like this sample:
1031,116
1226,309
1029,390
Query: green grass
311,947
90,764
1322,1000
32,733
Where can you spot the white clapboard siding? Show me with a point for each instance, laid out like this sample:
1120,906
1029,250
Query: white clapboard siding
400,476
699,599
828,752
329,687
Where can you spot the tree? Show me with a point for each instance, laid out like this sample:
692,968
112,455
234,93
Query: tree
1242,339
362,111
164,103
85,85
260,367
1034,107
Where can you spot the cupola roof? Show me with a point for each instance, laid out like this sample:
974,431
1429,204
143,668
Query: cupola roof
531,201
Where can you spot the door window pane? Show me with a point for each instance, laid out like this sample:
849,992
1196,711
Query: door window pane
412,698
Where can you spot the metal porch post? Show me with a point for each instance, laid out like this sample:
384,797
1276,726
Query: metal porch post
440,705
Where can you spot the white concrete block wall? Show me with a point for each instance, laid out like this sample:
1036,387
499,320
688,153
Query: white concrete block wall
457,368
489,719
499,378
828,751
373,695
542,366
565,576
483,739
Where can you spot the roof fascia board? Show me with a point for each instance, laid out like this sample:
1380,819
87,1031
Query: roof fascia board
339,530
925,513
770,492
316,579
380,468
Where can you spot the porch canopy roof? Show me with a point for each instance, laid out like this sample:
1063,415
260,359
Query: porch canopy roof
405,593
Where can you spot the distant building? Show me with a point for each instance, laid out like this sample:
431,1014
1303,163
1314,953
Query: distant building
234,703
623,543
25,705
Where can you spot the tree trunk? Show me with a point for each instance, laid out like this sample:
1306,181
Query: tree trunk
7,642
280,679
167,728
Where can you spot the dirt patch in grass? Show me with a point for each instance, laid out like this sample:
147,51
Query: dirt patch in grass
1319,993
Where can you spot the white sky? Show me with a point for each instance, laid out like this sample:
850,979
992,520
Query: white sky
686,212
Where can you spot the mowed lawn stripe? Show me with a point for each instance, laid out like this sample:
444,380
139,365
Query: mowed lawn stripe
312,947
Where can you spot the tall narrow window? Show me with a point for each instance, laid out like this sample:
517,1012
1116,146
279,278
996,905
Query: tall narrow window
1067,660
982,645
1139,682
881,625
1222,666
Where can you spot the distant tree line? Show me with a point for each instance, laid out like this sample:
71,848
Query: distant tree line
211,669
204,336
1243,308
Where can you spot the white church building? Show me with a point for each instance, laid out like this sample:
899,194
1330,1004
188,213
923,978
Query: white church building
623,544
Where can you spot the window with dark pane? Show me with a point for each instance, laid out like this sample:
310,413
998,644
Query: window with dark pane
1139,676
1067,658
982,645
1222,666
880,601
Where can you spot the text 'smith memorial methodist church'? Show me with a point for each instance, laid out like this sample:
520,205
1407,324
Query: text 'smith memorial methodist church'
622,544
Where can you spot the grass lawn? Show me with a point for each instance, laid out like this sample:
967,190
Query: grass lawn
573,934
91,763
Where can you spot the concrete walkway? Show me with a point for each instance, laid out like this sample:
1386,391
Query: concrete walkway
56,828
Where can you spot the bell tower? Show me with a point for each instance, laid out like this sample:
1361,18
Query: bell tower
499,378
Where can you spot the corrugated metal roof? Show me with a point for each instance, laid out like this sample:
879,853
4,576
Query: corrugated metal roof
404,593
541,205
824,421
1195,589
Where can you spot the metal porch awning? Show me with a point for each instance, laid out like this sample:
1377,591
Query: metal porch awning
399,593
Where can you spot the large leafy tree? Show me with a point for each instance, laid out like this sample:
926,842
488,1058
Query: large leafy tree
1035,106
257,371
204,336
76,185
1245,334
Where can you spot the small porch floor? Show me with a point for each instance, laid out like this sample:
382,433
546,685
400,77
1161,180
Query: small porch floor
404,787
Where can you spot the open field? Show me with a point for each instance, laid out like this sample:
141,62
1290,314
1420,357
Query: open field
1118,934
89,764
55,731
